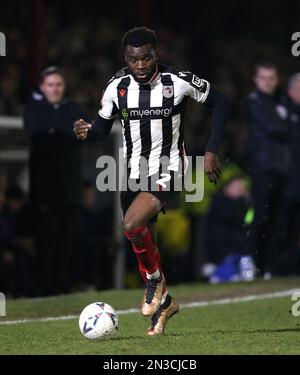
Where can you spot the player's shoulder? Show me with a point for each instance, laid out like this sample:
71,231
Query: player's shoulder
118,76
172,71
187,77
169,70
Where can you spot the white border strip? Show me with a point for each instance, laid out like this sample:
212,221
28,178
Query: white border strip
224,301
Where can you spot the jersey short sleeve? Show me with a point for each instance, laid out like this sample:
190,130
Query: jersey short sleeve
195,87
107,108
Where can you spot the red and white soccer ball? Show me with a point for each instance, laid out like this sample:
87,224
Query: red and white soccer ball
98,320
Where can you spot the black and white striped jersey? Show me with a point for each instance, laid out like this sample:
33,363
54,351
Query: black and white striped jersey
151,115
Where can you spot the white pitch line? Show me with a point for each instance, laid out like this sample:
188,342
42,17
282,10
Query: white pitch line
224,301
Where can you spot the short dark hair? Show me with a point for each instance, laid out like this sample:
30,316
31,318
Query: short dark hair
49,71
139,36
265,65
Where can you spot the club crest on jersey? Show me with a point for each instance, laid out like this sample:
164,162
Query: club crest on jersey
168,91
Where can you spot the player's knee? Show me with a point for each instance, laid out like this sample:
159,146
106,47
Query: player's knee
129,224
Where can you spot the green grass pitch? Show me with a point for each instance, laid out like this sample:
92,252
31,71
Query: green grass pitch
263,326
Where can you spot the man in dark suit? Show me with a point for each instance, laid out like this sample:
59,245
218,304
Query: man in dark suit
268,152
292,103
54,177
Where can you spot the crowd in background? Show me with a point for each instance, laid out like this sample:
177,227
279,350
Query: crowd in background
22,272
89,53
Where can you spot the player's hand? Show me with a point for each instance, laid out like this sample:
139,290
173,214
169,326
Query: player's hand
212,167
81,129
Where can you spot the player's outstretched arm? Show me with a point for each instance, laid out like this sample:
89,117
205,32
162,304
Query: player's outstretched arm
96,131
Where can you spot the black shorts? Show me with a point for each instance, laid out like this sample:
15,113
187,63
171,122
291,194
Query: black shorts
164,195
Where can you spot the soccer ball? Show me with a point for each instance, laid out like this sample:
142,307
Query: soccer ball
98,320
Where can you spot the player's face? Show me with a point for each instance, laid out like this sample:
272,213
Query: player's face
294,92
266,80
141,62
53,87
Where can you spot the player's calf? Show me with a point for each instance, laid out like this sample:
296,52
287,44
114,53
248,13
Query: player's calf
149,263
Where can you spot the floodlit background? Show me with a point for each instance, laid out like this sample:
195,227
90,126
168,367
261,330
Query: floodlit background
218,41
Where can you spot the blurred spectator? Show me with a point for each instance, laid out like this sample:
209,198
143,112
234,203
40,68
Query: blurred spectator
268,151
54,178
91,262
225,235
225,229
16,245
292,103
